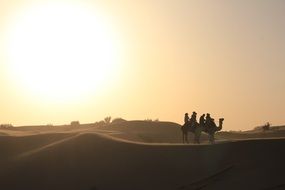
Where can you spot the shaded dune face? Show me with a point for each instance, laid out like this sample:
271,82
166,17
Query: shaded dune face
97,161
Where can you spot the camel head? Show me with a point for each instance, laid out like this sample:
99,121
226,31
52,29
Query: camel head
221,120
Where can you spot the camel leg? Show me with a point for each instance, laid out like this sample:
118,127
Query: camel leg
195,138
211,138
184,137
198,137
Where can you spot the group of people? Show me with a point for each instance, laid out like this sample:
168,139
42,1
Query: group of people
208,121
206,124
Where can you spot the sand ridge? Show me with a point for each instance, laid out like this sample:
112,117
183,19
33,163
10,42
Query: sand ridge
89,158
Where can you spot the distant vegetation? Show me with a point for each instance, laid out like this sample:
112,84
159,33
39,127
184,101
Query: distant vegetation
99,123
107,120
269,127
118,120
6,126
265,127
152,120
104,122
75,123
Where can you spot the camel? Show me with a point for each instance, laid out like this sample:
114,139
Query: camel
210,128
190,127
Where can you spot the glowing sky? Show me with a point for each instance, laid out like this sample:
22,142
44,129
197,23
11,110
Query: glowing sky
225,57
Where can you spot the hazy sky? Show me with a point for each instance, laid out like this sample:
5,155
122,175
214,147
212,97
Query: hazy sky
225,57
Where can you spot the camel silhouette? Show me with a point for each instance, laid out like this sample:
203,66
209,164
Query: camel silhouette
210,128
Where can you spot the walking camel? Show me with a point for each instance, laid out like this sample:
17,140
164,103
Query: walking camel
210,128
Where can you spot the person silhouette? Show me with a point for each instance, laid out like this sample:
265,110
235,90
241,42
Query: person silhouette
202,120
208,119
210,122
193,118
207,122
186,118
184,128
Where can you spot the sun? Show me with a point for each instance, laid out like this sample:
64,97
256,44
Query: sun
62,51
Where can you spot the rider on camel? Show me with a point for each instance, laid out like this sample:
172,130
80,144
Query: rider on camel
209,123
202,120
186,118
193,119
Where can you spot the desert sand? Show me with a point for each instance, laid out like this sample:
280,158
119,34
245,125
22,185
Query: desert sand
138,155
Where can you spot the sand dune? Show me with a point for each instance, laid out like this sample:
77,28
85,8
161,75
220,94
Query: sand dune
96,159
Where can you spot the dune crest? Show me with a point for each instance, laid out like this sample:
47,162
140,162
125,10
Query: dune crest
117,157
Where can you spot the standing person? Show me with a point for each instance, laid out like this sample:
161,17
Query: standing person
186,118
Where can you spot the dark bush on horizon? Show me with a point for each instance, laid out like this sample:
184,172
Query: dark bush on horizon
108,119
266,127
118,120
99,123
75,123
152,120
